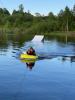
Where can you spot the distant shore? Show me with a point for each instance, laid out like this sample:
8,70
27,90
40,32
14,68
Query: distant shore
17,31
70,33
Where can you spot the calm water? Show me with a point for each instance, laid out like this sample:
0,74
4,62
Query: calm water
51,78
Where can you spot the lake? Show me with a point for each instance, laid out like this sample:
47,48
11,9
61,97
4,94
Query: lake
50,78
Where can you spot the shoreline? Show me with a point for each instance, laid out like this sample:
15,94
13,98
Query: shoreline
28,32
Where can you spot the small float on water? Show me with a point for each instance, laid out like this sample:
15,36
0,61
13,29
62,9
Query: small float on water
28,57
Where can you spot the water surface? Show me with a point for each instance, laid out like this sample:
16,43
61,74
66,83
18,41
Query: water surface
51,78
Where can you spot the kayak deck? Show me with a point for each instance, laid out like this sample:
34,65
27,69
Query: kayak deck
26,56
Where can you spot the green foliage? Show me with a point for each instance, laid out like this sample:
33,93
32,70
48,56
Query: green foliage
28,23
21,8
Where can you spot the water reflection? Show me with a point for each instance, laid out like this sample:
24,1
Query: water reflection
61,38
53,46
49,75
30,64
70,58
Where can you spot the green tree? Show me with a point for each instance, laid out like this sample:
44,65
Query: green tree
67,17
21,8
74,10
5,11
37,14
61,20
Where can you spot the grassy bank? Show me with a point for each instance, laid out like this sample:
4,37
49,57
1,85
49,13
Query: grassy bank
17,31
70,33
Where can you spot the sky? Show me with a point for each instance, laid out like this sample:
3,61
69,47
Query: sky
41,6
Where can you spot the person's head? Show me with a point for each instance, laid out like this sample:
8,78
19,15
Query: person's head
31,47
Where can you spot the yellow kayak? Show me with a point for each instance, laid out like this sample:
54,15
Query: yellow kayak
26,56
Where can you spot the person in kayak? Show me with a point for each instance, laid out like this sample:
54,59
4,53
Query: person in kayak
31,51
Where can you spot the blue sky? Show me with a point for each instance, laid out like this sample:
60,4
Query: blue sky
41,6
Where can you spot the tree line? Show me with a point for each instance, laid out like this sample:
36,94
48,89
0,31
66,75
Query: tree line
63,21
